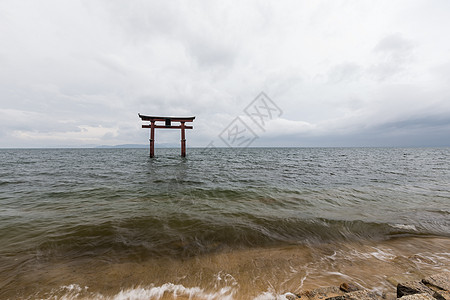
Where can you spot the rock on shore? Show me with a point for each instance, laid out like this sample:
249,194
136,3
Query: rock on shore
435,287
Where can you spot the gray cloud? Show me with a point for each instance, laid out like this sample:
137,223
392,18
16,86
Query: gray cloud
441,72
394,44
394,53
345,72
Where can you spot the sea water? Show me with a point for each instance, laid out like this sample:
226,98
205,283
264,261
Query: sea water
221,223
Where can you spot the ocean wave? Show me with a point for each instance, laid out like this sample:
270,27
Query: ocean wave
164,291
183,236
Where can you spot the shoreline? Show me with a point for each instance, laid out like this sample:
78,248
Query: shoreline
261,273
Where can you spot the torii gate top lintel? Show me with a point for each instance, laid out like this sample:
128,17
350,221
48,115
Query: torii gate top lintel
168,124
175,119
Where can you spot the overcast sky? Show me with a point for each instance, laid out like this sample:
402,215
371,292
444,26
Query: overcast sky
340,73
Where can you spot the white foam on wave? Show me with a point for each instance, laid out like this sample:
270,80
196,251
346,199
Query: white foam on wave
273,296
226,279
378,253
71,291
382,255
342,275
74,288
74,291
404,226
165,291
191,293
176,290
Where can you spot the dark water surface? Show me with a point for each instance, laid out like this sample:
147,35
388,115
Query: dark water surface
113,223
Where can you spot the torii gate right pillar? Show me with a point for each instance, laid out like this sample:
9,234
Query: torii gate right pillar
152,139
183,140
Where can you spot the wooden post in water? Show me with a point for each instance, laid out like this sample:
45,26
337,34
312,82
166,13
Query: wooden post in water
167,124
183,141
152,138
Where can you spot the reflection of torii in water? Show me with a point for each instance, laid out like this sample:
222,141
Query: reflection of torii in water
168,124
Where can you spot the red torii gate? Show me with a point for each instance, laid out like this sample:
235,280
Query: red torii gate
168,124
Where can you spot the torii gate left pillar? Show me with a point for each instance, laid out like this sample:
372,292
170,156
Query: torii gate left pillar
168,124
